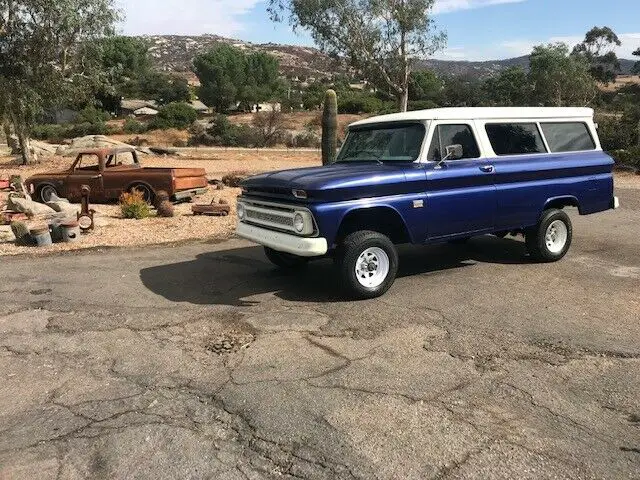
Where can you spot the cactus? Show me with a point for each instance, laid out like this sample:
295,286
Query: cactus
21,232
330,128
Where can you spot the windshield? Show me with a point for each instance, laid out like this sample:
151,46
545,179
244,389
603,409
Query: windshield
391,143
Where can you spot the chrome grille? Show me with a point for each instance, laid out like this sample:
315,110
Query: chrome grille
257,215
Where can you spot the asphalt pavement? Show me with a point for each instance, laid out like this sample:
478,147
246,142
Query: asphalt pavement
203,361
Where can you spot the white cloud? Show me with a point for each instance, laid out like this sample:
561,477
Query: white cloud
515,48
446,6
185,17
521,47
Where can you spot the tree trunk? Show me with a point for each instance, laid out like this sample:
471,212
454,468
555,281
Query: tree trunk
7,132
403,102
25,148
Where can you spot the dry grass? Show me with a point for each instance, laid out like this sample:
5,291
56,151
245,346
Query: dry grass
114,231
621,81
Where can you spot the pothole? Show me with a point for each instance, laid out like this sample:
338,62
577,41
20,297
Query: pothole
229,342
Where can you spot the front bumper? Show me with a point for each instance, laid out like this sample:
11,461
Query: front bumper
283,242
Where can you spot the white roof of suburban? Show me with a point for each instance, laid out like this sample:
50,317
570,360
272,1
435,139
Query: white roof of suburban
481,113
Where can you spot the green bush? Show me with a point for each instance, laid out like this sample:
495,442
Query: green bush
221,132
132,205
50,132
93,115
174,115
358,103
133,126
629,157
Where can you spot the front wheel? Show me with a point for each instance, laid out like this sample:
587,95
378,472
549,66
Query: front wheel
368,263
285,260
550,239
47,193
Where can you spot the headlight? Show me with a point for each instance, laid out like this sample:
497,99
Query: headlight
241,211
298,222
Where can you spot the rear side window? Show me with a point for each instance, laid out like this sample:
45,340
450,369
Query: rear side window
515,138
445,135
568,137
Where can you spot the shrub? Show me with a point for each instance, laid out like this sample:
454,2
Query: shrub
132,205
302,140
174,115
91,114
628,157
359,103
133,126
50,132
221,132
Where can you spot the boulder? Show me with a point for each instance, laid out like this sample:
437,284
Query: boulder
91,142
38,149
29,207
63,205
6,234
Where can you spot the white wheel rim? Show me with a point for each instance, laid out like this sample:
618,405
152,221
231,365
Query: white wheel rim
47,191
372,267
556,236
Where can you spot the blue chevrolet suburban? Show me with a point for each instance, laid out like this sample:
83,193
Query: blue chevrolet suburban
432,176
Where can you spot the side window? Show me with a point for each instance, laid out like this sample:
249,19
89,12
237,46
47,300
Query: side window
445,135
88,162
515,138
568,137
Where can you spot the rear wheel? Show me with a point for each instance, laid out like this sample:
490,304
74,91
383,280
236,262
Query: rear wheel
285,260
550,239
46,193
146,191
368,263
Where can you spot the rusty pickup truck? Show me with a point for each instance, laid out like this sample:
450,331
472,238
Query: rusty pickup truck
110,172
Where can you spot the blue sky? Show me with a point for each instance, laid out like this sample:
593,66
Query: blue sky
477,29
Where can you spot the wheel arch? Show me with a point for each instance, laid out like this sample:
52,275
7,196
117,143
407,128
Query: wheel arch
378,218
562,202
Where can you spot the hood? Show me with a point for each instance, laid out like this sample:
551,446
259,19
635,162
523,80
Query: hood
340,181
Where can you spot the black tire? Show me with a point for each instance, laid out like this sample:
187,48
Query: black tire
536,237
45,192
348,254
147,192
285,260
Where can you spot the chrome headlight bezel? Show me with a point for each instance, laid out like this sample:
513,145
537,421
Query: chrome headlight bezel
241,211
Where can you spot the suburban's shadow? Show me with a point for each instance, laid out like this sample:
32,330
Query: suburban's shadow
229,277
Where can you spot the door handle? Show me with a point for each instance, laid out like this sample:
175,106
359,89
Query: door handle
487,168
96,177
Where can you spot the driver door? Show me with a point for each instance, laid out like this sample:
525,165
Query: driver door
86,171
461,195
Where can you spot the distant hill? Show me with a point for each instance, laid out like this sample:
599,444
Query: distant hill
175,53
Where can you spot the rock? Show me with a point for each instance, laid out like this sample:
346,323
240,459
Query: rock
63,205
6,234
29,207
90,142
38,149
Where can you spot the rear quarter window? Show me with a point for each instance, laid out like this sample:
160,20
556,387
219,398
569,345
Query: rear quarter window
568,136
515,138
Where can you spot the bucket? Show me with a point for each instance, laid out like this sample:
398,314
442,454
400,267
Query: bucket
70,231
41,235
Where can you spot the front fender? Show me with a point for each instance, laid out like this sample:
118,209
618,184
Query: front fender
329,216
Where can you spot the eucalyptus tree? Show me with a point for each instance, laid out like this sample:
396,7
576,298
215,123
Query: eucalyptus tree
44,56
380,39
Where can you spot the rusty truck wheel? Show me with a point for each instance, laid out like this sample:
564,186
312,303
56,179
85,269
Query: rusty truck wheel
147,193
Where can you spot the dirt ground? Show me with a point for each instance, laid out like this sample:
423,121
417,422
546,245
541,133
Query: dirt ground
113,231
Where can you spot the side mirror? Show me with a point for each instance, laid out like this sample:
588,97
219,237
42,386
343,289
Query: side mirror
453,152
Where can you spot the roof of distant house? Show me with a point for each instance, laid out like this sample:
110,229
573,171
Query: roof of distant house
135,104
145,111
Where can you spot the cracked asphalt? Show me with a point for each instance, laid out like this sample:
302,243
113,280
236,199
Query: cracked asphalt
203,361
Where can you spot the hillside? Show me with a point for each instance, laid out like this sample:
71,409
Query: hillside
174,53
